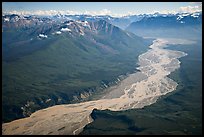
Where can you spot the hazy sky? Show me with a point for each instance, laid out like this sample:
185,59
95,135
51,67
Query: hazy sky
101,8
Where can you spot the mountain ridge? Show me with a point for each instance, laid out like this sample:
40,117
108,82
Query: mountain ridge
175,26
47,62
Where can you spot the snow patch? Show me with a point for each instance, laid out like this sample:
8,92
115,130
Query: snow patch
81,33
179,17
69,23
42,36
128,34
195,15
6,19
48,100
65,29
185,14
58,32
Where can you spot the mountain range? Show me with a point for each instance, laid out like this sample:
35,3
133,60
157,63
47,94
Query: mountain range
183,25
48,61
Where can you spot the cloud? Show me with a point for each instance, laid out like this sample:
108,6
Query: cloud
163,12
41,12
191,9
186,9
18,12
101,12
54,12
168,12
104,12
195,3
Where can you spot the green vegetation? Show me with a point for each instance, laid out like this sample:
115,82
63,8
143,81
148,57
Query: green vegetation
179,112
60,67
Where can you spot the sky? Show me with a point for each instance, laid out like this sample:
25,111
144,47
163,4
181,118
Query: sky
99,8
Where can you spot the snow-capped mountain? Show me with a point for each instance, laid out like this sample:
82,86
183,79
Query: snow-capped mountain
122,22
170,25
61,48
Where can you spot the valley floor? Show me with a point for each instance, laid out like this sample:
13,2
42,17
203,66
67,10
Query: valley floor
136,91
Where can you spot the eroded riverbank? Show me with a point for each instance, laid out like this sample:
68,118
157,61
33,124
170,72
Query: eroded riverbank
70,119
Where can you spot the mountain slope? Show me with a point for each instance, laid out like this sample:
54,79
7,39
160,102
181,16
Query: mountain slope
178,26
47,62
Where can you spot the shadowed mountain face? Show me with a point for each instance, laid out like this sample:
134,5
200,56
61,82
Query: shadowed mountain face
178,113
48,62
174,26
